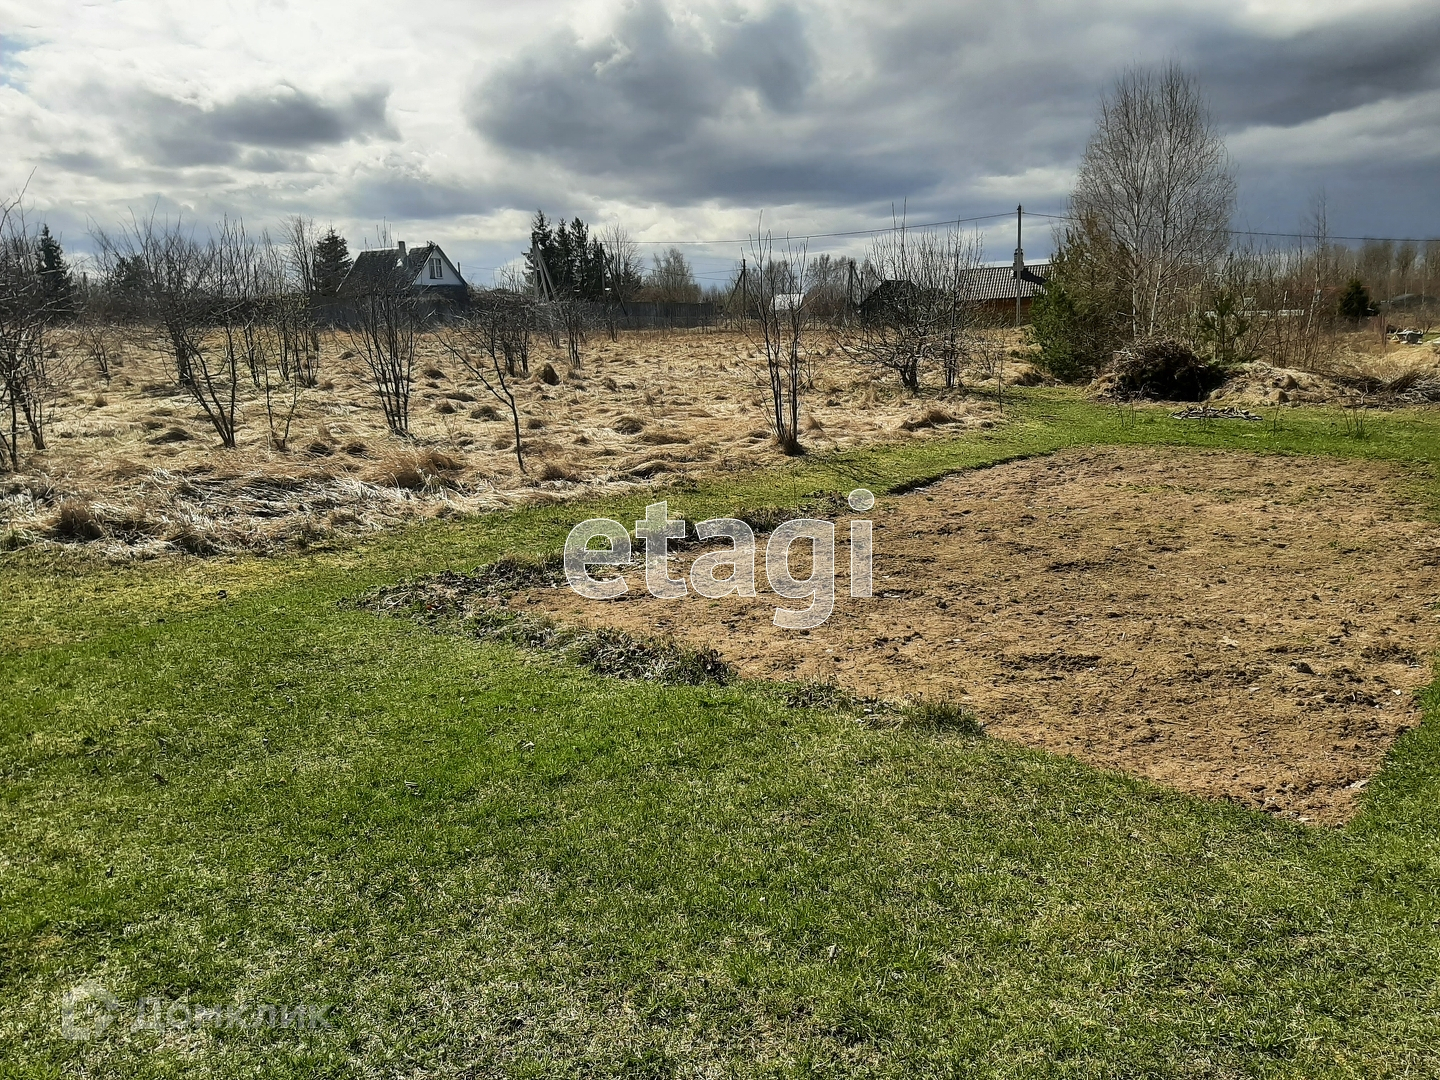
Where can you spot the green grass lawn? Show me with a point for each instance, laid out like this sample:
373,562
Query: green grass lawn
486,862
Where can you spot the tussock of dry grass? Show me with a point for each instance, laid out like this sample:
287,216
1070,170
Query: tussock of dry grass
559,470
928,418
416,470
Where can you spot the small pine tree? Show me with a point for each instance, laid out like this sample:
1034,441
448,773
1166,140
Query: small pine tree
55,278
332,263
1355,301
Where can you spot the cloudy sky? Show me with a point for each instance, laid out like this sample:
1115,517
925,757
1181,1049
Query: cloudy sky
453,120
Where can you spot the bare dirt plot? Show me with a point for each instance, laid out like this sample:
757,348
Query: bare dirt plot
1243,627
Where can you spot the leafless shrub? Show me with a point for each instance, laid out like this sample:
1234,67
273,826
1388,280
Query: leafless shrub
96,338
778,287
506,319
920,309
164,275
30,376
573,317
479,342
203,296
382,326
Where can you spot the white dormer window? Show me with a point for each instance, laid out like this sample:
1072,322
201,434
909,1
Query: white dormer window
437,269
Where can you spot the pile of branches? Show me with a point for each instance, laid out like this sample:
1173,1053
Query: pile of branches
1162,369
1208,412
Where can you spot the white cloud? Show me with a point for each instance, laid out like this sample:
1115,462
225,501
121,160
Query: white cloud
1392,130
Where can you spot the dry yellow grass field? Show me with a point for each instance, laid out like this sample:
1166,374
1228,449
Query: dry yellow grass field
135,468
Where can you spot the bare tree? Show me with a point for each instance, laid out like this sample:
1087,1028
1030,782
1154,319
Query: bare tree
168,274
229,330
476,342
574,316
920,307
1155,183
624,274
382,328
1429,276
281,331
778,288
300,240
28,382
294,315
828,294
671,280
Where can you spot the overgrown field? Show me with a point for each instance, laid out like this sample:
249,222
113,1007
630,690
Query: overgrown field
225,784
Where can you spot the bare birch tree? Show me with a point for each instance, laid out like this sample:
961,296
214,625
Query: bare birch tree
294,315
1155,181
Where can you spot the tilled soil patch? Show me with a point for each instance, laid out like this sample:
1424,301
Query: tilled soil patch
1238,626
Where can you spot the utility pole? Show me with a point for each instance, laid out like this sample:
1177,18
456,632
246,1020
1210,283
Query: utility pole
544,287
1019,258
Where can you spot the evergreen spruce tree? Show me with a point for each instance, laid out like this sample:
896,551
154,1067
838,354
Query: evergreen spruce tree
55,278
332,263
574,261
1355,301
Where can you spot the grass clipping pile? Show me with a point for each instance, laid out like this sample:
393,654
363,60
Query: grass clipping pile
1244,627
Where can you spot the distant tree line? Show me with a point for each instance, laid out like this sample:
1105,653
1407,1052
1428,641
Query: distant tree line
581,265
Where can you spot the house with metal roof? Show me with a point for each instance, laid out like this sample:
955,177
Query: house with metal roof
994,288
991,284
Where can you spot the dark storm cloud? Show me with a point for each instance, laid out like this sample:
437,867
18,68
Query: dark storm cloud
1260,80
657,94
936,100
181,133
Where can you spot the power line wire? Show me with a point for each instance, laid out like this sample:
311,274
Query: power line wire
828,235
994,217
1286,235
